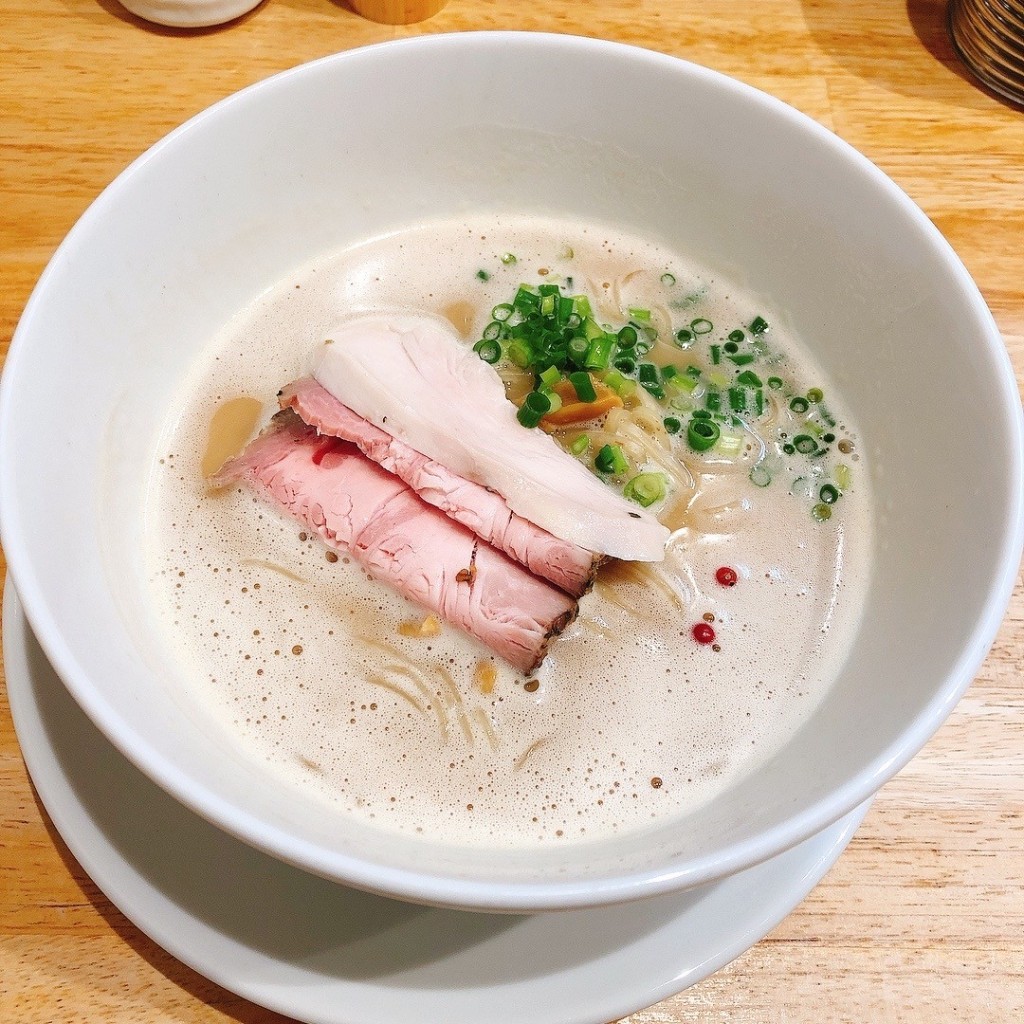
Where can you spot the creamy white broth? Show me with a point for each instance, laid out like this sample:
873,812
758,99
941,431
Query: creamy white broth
306,664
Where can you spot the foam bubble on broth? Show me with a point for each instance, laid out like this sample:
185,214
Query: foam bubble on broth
321,673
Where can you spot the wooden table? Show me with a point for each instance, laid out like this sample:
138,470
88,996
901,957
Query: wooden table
922,920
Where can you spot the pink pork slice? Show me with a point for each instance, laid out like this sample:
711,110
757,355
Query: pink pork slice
361,509
483,511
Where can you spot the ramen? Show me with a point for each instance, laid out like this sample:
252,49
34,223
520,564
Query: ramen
677,677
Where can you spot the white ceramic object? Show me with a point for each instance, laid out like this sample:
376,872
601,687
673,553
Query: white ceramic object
327,954
190,13
299,165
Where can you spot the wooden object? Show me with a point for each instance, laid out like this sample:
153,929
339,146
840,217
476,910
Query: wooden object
397,12
922,920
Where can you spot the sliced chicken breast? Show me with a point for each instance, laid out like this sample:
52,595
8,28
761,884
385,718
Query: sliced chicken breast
413,378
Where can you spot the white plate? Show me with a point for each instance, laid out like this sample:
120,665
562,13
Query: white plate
326,954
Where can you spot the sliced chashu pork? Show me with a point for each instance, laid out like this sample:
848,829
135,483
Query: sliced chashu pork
484,512
361,509
410,376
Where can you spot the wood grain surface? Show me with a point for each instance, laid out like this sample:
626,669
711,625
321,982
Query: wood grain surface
922,920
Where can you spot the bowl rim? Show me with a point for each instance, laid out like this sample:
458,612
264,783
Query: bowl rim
449,890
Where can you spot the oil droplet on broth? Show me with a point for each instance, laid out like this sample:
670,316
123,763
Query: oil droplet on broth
460,315
230,428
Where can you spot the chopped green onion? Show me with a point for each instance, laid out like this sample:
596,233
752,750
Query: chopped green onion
668,280
821,512
627,337
758,325
520,353
826,415
731,347
583,386
829,494
483,275
749,378
578,348
683,382
645,489
528,417
738,399
742,358
624,387
582,305
508,259
611,460
550,376
805,444
702,414
843,475
580,445
760,475
556,336
730,443
526,300
672,425
702,434
533,409
735,336
799,404
828,438
612,379
815,395
599,353
489,351
539,401
788,449
776,383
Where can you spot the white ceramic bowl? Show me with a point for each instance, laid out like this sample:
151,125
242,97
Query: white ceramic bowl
190,13
371,140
